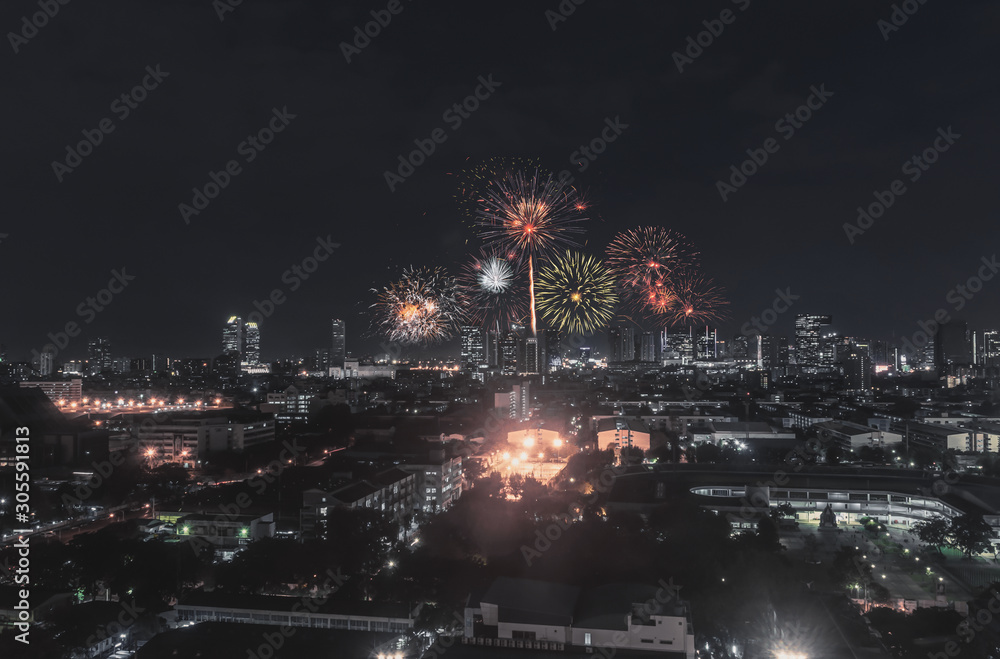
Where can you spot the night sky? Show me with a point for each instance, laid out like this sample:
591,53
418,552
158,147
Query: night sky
323,174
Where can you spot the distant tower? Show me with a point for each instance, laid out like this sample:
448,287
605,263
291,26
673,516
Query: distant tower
251,344
647,350
232,336
858,370
472,347
807,338
339,352
47,362
99,355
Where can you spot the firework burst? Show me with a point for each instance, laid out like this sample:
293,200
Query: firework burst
495,286
530,215
697,301
475,180
576,293
426,305
646,262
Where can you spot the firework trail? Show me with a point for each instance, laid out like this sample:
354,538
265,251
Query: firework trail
530,215
426,305
576,293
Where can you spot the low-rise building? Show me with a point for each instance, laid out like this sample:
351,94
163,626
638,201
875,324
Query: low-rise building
530,614
622,432
851,436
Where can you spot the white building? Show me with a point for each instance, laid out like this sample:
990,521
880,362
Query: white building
852,436
67,391
529,614
188,440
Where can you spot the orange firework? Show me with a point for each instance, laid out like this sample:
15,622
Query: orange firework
531,216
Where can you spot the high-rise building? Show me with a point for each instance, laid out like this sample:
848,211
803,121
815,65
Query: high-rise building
708,344
99,355
807,338
678,346
529,356
491,348
952,347
508,351
472,356
774,351
990,350
251,344
339,348
232,336
622,340
321,360
47,361
858,370
647,348
551,349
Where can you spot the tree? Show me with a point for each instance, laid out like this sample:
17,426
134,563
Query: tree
971,534
834,454
933,532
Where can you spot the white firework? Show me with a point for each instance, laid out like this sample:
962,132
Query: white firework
495,276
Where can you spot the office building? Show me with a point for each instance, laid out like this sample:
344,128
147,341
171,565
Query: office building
529,356
647,348
491,349
622,340
508,351
232,336
47,362
990,350
99,356
251,344
678,346
339,346
858,371
952,347
808,329
472,350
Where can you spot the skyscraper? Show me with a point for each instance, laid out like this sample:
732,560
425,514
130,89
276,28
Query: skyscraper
622,340
232,336
858,370
339,352
99,355
491,348
529,356
952,346
508,350
807,338
708,344
472,356
647,348
990,350
551,350
251,344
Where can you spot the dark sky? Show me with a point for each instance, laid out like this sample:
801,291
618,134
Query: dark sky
323,175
